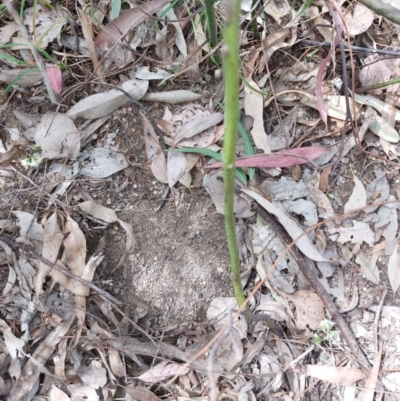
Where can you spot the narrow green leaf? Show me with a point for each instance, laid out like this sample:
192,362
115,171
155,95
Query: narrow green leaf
13,59
19,77
248,148
240,174
115,9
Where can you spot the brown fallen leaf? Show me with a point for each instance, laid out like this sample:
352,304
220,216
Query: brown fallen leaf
343,376
158,162
141,393
116,29
14,153
324,179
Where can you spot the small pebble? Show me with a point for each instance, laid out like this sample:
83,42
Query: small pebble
153,183
134,186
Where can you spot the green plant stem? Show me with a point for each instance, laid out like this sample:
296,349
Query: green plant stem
212,25
231,75
255,4
379,85
383,9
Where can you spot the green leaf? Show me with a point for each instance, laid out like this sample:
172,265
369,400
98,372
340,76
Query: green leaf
240,174
115,9
248,148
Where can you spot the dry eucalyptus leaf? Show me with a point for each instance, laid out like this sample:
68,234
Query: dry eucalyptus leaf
101,104
176,166
141,393
384,130
357,234
254,107
198,125
7,31
116,365
394,269
52,241
378,70
158,374
304,243
359,19
155,154
10,75
172,97
338,375
215,187
57,395
101,162
57,136
375,103
368,266
358,197
144,73
44,23
93,375
219,312
114,30
309,309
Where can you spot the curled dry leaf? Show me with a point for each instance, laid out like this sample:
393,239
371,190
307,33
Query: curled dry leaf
109,216
52,241
172,97
337,375
101,104
155,154
116,29
165,372
283,158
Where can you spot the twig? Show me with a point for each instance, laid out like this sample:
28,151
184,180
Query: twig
376,322
27,37
318,288
354,48
35,255
52,197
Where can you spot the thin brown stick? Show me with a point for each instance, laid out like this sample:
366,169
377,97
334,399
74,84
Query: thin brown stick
318,288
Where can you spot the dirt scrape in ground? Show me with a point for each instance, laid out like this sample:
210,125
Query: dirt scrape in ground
180,260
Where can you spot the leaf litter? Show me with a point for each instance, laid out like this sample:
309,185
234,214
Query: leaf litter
49,290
